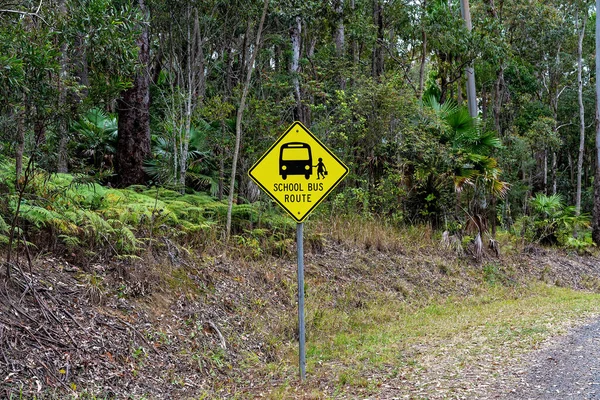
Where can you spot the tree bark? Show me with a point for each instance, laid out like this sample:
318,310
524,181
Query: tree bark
596,212
355,50
190,81
20,145
133,142
470,71
377,67
340,38
581,33
295,33
63,123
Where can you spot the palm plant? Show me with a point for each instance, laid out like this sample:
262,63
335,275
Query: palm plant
164,166
96,133
469,163
552,222
470,148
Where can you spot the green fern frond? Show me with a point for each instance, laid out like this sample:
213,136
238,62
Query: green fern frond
189,227
4,227
127,241
70,241
38,216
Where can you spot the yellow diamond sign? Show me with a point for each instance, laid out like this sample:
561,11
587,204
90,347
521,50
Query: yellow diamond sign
298,171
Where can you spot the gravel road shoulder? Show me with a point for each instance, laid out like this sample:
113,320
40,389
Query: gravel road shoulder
568,368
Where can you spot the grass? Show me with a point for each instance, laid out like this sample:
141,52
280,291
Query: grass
385,341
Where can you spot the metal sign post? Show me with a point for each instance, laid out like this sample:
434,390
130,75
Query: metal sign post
298,172
301,327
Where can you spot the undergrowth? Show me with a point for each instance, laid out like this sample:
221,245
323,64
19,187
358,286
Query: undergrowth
77,214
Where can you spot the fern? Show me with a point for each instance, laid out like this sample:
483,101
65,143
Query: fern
126,239
70,241
195,228
4,227
94,225
244,211
197,199
38,216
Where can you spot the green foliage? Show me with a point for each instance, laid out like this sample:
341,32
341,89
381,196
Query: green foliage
552,222
119,221
96,136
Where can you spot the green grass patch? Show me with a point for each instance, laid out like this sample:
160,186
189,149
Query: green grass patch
357,351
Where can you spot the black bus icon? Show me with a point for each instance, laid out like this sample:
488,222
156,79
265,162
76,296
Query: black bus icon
295,158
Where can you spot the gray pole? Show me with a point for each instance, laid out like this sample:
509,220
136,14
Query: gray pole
302,332
471,95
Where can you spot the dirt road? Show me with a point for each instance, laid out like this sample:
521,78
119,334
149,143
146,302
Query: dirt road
568,369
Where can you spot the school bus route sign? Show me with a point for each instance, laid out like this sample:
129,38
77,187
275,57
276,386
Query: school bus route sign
298,171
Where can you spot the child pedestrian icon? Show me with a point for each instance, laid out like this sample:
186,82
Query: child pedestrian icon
321,170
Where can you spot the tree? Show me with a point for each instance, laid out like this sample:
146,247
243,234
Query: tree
133,143
240,115
580,33
596,216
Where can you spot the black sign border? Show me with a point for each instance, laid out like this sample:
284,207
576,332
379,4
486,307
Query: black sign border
299,220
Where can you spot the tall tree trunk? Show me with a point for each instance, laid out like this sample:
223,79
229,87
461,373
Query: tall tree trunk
340,39
497,101
20,143
355,50
199,62
62,162
189,79
239,116
295,33
423,63
596,216
545,171
470,71
133,142
554,174
581,33
377,62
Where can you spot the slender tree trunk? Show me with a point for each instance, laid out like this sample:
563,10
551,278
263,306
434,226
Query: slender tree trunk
133,143
470,71
189,79
295,33
423,63
484,103
596,216
545,171
498,95
554,174
355,50
63,121
377,62
20,143
340,40
239,116
199,64
581,33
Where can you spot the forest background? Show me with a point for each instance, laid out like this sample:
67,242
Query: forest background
187,95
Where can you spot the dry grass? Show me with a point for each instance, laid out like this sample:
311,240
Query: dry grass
369,234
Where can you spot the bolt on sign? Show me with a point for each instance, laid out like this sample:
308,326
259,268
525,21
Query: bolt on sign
298,171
